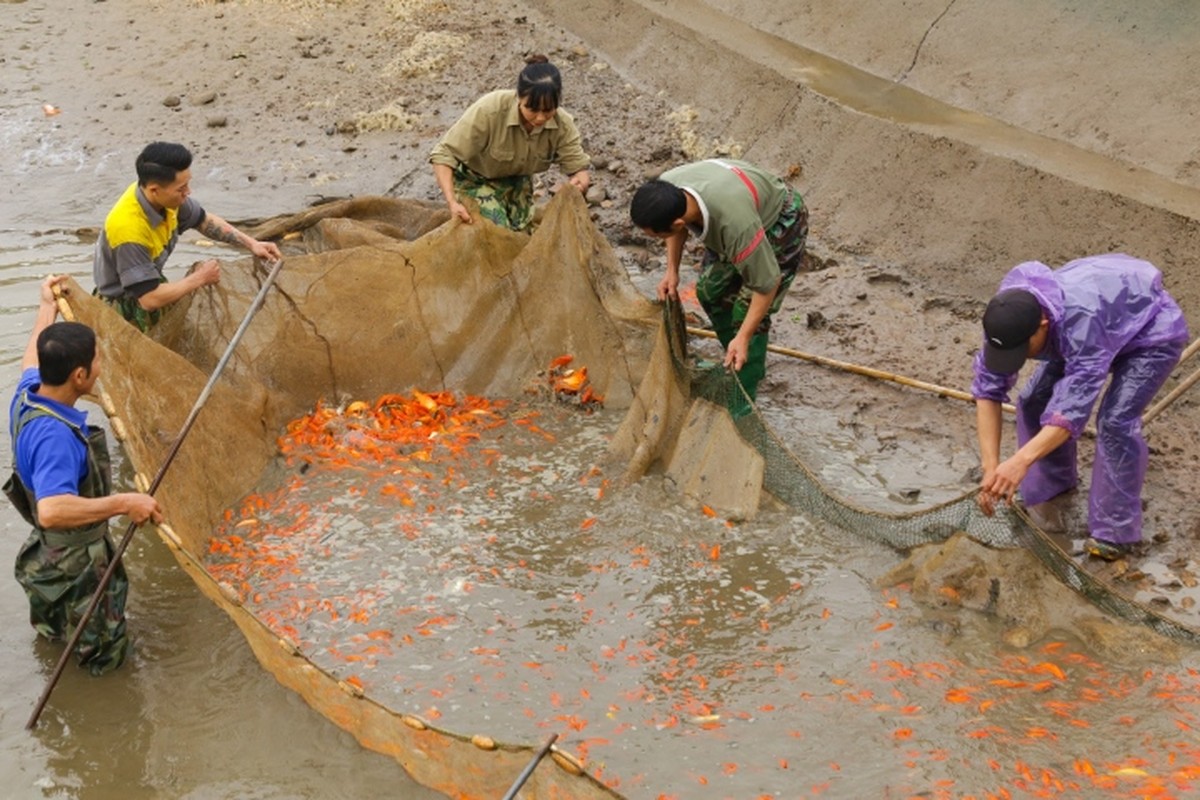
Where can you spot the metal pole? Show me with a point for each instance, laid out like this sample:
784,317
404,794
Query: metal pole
162,470
530,767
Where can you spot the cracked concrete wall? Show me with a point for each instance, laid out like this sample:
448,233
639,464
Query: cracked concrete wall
1110,76
948,211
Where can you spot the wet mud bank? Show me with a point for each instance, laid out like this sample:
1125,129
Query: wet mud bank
949,213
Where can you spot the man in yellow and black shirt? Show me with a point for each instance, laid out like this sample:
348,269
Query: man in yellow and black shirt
143,228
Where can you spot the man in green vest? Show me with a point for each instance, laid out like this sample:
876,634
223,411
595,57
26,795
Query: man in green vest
61,484
753,226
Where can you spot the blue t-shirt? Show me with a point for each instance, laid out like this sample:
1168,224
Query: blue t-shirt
50,458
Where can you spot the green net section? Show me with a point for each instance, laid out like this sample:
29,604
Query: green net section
791,481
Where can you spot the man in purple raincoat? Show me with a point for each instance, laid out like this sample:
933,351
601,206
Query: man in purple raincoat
1092,318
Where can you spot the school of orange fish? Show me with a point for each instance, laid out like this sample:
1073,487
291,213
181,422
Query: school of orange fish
487,588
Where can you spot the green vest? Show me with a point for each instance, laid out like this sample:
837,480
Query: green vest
97,482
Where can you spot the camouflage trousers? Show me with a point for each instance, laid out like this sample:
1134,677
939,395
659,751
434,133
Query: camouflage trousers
132,310
60,581
508,202
726,299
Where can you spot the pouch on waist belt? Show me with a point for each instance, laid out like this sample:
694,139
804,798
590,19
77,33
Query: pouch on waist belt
16,494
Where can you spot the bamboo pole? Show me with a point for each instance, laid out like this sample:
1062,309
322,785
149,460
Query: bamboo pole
1189,351
1178,391
1172,396
101,398
942,391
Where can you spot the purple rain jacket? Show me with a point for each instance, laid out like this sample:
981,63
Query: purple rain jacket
1099,307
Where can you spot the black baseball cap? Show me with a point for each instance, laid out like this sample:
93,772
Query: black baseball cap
1011,319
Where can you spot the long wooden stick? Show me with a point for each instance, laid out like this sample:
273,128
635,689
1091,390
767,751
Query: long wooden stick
1150,414
1189,351
162,470
860,370
1171,396
1178,391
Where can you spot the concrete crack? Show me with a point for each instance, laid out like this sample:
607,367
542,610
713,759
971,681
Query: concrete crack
776,123
920,44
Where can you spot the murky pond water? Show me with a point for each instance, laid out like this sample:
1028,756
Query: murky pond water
685,658
473,568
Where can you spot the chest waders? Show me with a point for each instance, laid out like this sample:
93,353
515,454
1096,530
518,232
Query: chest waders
61,568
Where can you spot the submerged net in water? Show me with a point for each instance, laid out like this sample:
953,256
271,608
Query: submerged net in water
425,550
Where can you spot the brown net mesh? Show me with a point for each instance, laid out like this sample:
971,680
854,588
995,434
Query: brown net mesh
357,312
379,297
789,479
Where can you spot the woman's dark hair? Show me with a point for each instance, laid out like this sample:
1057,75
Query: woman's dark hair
540,84
160,162
656,204
61,348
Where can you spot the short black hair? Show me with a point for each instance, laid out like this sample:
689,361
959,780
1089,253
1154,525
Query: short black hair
540,84
62,347
656,205
160,162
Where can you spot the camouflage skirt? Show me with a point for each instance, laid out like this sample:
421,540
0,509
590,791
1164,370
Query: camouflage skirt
60,581
505,201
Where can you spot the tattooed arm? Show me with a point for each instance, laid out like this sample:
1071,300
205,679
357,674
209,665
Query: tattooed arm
219,230
205,273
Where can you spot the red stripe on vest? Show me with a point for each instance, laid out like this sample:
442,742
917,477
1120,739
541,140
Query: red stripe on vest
742,256
745,179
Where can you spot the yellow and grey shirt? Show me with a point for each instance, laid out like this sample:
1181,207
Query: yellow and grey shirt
489,140
136,241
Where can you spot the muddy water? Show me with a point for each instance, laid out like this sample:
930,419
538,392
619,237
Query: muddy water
869,696
499,586
836,689
193,715
774,667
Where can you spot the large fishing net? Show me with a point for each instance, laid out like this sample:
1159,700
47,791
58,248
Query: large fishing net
666,411
427,419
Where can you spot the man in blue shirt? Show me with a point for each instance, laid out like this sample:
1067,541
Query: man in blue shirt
61,484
